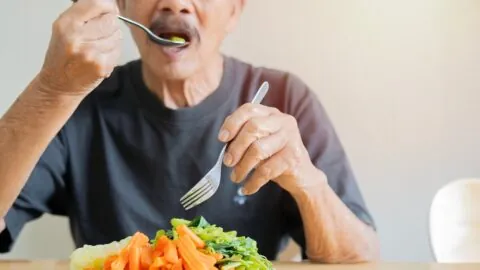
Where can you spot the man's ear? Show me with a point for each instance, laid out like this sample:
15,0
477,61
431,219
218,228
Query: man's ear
237,10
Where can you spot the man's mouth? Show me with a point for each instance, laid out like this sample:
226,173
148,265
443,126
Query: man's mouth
176,36
175,33
177,30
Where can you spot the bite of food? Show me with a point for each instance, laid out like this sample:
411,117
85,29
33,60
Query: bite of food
177,39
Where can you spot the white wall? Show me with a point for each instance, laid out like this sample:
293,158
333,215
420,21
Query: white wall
400,80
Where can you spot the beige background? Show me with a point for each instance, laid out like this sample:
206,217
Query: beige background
400,80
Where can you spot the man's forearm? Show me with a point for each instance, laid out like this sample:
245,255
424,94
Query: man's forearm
25,131
333,233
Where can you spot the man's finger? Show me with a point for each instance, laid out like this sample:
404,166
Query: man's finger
237,119
259,151
110,61
271,169
254,129
85,10
100,27
107,44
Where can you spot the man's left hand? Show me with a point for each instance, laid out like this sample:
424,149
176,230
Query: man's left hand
269,141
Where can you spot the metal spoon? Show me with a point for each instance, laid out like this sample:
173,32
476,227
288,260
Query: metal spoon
153,37
159,40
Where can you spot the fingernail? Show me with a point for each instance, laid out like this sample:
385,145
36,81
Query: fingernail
233,176
227,159
245,191
223,136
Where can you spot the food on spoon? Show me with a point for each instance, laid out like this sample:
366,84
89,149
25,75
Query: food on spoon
177,39
192,245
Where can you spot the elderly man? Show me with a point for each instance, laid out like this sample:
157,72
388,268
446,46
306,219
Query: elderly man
114,148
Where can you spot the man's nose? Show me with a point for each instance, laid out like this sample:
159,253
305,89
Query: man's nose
175,6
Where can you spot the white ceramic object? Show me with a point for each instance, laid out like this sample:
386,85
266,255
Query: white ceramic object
455,222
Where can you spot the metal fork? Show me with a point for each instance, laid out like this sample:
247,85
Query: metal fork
208,185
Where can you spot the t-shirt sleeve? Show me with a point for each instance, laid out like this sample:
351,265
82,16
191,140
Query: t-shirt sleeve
44,192
326,153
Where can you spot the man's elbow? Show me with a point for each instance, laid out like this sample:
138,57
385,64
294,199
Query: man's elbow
370,252
353,258
366,256
367,252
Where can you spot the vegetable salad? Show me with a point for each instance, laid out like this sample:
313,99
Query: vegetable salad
193,245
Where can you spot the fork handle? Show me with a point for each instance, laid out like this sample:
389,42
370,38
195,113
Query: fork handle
261,92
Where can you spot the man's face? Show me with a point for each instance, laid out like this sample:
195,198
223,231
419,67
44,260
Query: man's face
203,23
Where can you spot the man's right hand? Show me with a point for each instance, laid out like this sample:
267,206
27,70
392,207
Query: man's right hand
83,50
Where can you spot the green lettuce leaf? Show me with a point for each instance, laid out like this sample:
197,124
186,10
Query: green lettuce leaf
238,252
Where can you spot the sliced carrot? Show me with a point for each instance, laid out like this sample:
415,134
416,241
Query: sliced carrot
120,263
158,263
178,265
171,254
185,265
189,253
207,259
162,243
157,253
217,256
134,258
146,257
184,230
138,239
130,253
180,254
107,264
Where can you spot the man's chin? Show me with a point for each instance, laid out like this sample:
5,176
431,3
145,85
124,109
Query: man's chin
176,71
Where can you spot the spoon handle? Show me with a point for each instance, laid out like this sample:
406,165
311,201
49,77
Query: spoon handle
127,20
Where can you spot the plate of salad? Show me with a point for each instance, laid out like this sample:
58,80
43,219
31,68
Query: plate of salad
188,245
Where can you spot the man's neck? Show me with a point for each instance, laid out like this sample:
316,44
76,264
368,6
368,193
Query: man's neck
188,92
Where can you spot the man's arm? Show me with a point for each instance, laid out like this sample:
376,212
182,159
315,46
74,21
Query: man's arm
26,130
297,148
270,141
333,233
83,50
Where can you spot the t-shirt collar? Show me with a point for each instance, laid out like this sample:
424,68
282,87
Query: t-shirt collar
149,101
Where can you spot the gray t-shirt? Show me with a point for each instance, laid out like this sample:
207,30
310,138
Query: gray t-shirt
123,160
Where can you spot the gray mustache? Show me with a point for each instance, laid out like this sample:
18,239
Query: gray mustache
171,24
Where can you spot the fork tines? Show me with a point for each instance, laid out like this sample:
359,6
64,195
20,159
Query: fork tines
198,194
